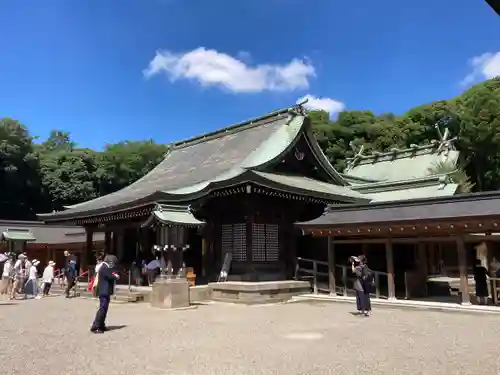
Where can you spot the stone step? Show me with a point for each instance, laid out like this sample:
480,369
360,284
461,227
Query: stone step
119,296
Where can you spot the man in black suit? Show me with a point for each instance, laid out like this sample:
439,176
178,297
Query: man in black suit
106,279
70,272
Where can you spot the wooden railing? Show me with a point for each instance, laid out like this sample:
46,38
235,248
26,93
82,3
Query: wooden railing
124,272
343,273
317,273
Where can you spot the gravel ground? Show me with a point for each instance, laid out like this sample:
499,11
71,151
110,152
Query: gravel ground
52,336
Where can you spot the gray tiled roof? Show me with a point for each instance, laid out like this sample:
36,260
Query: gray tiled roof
455,207
195,161
49,234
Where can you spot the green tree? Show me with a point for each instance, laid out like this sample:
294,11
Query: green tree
321,126
19,182
479,136
428,115
123,163
69,177
58,140
68,174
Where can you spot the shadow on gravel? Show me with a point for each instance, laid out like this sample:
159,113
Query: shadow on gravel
8,303
115,328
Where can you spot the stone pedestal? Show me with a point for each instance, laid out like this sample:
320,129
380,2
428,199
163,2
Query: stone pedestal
258,292
170,293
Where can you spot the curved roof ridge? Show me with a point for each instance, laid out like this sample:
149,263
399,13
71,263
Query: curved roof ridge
321,157
188,170
256,121
396,152
441,145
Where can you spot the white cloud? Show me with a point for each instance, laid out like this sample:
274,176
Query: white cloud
211,68
326,104
485,66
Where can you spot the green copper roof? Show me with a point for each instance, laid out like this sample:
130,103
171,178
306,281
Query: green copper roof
309,186
401,164
173,215
426,187
433,191
353,180
18,235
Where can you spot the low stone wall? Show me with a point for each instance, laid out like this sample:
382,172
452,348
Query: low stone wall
258,292
244,292
200,293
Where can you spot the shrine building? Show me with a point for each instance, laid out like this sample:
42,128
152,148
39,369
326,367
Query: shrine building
257,191
238,190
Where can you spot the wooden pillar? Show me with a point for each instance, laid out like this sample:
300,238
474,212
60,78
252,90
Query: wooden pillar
331,267
433,258
118,242
462,266
87,251
364,249
249,235
107,242
210,255
422,256
389,256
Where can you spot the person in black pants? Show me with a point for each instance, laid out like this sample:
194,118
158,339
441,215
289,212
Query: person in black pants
481,280
107,278
70,272
362,284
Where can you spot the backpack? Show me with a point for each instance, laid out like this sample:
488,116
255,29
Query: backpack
368,275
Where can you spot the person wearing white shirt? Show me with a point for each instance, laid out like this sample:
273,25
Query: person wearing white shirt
48,278
7,276
95,281
98,266
19,274
31,286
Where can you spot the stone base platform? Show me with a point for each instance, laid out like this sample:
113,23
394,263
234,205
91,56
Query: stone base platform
258,292
170,294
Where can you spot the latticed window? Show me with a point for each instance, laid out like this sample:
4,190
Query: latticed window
265,242
234,241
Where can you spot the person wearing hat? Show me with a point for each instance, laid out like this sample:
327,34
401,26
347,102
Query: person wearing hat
47,278
31,285
106,279
19,274
7,276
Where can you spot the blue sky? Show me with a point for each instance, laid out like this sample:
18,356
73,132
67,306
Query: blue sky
111,70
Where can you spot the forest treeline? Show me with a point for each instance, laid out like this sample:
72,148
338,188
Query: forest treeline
42,177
